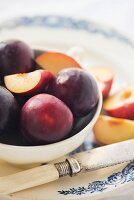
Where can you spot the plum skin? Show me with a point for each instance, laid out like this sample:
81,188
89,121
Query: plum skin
8,111
45,119
15,57
77,89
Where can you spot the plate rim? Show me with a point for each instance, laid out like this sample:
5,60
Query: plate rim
74,23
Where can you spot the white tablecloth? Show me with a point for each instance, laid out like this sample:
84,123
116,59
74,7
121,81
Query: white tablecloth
116,13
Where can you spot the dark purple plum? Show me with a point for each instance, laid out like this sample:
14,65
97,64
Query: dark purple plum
15,57
77,89
8,111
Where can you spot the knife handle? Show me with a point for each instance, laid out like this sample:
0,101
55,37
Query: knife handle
28,178
38,176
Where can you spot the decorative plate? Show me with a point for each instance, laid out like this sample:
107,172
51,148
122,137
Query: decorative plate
103,46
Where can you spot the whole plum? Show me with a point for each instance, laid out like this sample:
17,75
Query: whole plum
45,119
77,89
8,111
15,57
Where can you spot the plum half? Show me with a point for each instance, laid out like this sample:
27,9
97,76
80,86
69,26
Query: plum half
55,61
15,57
77,89
45,119
30,84
8,111
104,77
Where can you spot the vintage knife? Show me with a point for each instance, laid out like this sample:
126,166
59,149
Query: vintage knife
78,163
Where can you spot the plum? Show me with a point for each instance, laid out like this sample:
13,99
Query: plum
104,77
45,119
29,84
15,57
77,89
8,111
55,61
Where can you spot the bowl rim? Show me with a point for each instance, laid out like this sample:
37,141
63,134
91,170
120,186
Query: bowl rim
91,123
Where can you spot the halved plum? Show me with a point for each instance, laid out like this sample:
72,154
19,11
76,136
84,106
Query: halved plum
29,83
105,77
54,61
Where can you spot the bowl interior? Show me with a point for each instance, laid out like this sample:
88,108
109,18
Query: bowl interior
15,138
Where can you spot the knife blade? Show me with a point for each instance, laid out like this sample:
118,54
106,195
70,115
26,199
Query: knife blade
106,156
87,161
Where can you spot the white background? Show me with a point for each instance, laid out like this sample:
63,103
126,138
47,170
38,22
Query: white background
116,13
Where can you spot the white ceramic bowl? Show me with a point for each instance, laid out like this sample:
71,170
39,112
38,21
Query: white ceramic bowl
46,153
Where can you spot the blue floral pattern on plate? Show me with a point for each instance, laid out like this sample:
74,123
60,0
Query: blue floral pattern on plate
67,23
114,180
